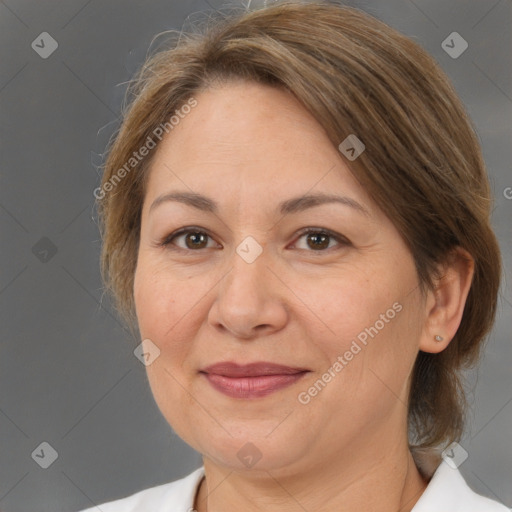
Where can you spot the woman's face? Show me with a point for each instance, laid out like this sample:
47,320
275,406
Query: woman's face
247,283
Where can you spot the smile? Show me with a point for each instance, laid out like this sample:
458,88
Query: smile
254,380
252,387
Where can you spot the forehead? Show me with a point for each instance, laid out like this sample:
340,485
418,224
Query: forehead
250,139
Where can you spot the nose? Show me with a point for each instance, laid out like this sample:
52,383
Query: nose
251,300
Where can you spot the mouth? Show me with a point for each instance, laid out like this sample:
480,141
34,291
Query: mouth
254,380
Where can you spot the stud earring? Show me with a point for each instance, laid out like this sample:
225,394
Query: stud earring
438,338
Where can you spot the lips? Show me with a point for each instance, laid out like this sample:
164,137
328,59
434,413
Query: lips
252,380
230,369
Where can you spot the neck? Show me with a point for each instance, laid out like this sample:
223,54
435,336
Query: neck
357,481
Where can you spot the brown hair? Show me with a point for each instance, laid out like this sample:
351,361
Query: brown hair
422,164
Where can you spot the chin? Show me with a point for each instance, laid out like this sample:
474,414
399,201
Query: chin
249,447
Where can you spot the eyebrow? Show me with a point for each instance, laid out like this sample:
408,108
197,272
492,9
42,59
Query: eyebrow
293,205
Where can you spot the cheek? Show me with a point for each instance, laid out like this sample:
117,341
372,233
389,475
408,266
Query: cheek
160,302
347,302
371,320
161,306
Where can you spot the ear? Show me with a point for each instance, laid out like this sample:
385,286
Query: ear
444,304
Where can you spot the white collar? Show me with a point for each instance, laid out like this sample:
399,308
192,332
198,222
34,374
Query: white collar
447,491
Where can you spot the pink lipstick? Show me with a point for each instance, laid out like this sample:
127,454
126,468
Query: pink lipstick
254,380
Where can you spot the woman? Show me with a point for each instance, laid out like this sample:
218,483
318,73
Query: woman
295,216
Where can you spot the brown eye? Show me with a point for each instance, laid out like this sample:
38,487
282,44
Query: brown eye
320,240
193,239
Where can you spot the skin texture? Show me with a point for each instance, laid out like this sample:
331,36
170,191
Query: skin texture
250,147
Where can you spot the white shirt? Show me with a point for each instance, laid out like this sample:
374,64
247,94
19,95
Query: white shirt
447,491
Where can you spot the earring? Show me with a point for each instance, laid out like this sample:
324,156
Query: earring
438,338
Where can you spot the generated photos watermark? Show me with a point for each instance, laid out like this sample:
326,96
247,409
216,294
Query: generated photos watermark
143,151
304,397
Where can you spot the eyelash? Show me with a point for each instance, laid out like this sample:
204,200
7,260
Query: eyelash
167,241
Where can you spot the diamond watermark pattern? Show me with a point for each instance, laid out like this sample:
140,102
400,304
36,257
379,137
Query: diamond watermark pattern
146,352
44,250
249,249
454,45
249,455
44,44
45,455
454,455
351,147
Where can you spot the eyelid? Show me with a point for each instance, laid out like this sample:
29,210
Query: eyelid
167,241
325,231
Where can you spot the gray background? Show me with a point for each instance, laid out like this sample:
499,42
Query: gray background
67,371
